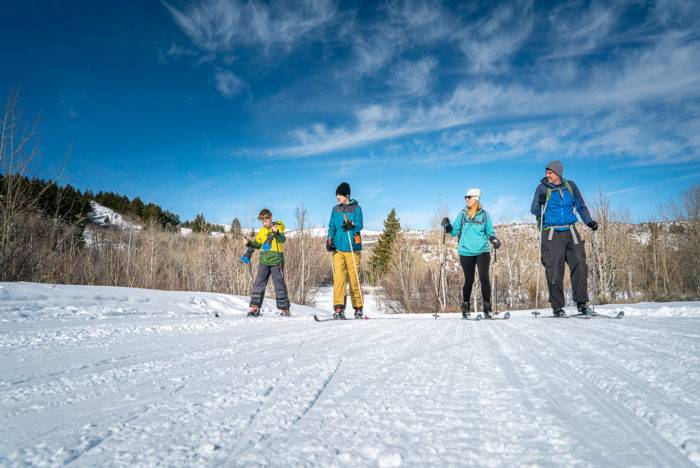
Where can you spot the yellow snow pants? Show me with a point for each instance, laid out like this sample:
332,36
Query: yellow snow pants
344,270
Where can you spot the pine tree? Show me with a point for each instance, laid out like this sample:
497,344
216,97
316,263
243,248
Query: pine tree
200,224
236,227
383,249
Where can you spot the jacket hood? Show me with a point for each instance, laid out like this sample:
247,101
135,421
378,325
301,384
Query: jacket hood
352,202
546,183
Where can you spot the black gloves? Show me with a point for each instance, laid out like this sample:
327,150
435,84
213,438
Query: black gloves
593,225
330,246
348,225
495,242
446,224
542,198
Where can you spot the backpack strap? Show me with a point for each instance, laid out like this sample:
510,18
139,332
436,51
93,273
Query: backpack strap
465,219
566,185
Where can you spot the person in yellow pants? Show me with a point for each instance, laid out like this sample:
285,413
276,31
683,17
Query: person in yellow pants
345,241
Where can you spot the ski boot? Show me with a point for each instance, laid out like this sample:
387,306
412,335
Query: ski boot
465,310
583,309
338,313
359,314
487,310
284,312
560,313
254,311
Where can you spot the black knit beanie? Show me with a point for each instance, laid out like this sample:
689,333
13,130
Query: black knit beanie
343,189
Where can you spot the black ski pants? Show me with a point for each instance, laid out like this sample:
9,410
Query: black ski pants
260,283
469,264
554,253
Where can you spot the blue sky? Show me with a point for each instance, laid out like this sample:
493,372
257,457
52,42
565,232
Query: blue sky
225,106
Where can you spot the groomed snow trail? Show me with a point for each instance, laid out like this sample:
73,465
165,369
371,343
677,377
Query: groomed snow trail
113,376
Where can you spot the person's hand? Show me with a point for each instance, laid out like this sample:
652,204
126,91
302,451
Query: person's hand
245,259
495,242
348,225
445,223
275,228
266,247
542,198
330,246
593,225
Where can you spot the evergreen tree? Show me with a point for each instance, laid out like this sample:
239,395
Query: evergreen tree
199,224
383,249
236,227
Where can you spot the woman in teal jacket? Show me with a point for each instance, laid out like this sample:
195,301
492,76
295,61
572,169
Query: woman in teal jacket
474,228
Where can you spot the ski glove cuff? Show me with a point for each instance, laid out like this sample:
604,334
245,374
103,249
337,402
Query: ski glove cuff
495,242
593,225
330,246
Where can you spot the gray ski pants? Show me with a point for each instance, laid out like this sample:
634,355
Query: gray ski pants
260,283
554,253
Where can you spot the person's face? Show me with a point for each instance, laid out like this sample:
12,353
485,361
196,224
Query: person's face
471,201
267,222
552,177
342,198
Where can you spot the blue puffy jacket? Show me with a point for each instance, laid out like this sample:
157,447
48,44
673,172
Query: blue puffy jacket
560,207
340,212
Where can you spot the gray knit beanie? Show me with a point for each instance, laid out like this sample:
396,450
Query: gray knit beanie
556,166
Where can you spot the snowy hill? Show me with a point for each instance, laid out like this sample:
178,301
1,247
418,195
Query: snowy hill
108,376
107,217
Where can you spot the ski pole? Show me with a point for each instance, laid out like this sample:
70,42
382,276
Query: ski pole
594,259
495,282
357,273
441,276
537,288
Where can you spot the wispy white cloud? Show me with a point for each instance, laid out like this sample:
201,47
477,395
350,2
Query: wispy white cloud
578,30
223,25
664,75
413,78
490,42
227,83
405,24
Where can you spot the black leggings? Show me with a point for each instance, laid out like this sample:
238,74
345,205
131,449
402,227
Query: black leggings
468,266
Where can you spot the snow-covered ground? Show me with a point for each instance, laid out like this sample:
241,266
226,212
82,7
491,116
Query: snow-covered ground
107,217
112,376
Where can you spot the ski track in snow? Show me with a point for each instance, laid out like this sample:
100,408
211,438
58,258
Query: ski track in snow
113,376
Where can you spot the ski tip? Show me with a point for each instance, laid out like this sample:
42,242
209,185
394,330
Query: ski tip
316,318
620,314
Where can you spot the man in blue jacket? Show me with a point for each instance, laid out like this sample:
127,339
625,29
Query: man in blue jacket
553,205
345,243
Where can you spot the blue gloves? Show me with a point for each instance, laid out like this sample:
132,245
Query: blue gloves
245,260
266,247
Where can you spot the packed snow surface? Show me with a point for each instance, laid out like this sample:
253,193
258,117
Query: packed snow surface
108,376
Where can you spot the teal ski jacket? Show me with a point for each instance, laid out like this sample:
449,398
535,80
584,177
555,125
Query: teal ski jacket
353,212
473,233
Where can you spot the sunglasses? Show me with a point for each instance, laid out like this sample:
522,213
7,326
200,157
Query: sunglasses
467,197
